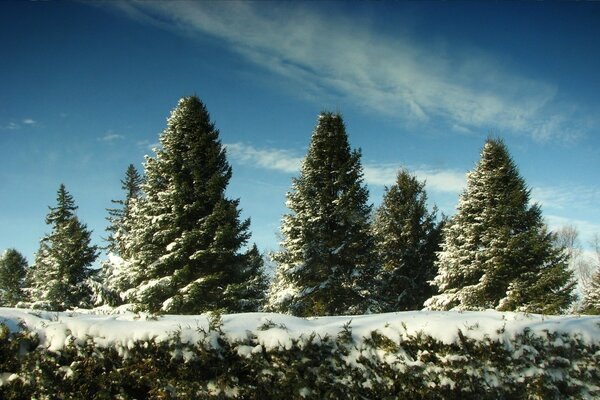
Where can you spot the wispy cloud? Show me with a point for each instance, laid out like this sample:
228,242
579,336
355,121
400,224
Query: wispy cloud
287,161
586,229
437,180
147,145
467,89
566,197
110,137
273,159
25,122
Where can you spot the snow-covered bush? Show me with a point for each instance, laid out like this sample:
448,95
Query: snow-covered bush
416,355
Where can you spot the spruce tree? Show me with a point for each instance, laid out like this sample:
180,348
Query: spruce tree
62,266
13,268
326,262
407,238
184,246
250,295
497,252
116,274
119,217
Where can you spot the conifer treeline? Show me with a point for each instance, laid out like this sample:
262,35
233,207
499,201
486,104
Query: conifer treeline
177,244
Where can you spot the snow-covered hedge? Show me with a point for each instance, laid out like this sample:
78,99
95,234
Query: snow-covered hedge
270,356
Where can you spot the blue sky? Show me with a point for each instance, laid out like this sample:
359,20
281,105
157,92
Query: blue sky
85,90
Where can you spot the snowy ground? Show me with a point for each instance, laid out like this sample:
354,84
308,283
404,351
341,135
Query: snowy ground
276,330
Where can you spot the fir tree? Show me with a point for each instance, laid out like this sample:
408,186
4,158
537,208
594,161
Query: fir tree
119,217
407,238
497,252
116,276
62,266
326,263
13,268
184,246
250,295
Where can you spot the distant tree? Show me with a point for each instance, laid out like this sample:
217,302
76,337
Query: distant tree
119,217
591,300
497,252
326,262
250,295
62,265
184,248
115,274
583,266
407,238
13,268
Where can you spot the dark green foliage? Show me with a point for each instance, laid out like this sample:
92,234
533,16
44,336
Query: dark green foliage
13,268
58,277
407,238
327,259
186,237
551,366
250,295
497,252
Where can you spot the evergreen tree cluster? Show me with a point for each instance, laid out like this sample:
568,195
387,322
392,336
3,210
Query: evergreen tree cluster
177,244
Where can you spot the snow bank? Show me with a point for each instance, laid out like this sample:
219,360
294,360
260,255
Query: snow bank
278,331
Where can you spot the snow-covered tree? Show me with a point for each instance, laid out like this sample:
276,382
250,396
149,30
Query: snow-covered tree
13,268
591,300
326,262
497,252
407,237
115,274
62,266
118,217
184,248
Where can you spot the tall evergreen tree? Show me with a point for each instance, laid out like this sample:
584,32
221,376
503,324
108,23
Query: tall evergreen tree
119,217
326,263
497,252
184,246
13,268
407,238
64,258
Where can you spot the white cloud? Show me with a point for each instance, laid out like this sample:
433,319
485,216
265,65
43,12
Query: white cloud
437,180
111,137
13,126
566,197
147,145
446,181
273,159
396,76
586,229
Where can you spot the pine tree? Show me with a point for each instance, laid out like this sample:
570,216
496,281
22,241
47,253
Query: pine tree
184,246
119,217
13,268
326,263
497,253
407,238
62,266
